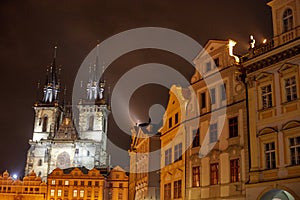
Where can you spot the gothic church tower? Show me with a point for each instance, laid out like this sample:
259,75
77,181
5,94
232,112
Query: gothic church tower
56,142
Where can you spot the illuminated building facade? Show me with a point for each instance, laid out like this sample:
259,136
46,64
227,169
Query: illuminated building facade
144,155
274,106
30,188
172,176
56,143
217,139
117,184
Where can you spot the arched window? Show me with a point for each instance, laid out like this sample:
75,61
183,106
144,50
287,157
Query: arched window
91,123
287,20
45,123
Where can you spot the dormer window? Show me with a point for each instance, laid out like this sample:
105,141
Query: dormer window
287,20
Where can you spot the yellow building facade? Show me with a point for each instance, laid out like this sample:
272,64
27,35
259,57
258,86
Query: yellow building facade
30,188
172,176
274,107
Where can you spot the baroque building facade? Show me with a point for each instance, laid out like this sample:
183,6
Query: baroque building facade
144,155
56,142
273,88
31,187
216,154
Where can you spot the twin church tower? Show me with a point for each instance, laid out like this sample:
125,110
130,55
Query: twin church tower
58,141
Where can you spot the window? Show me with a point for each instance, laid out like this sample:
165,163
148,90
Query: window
170,122
217,62
117,176
120,196
214,173
96,193
91,123
208,66
60,182
167,191
81,193
295,150
287,20
176,118
66,193
223,92
66,182
178,152
203,100
168,156
266,94
97,183
233,127
213,95
53,182
74,193
90,183
45,123
75,183
52,192
76,151
213,133
235,170
89,193
290,88
59,193
120,185
81,182
177,189
40,163
270,155
196,138
196,177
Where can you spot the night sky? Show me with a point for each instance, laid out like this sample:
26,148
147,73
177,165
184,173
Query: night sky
30,29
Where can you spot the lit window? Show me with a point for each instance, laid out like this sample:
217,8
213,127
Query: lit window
59,193
233,127
270,155
74,193
168,156
196,177
52,192
53,182
213,133
214,173
266,94
196,138
235,170
295,150
287,20
167,191
290,89
81,194
213,95
66,182
178,152
177,189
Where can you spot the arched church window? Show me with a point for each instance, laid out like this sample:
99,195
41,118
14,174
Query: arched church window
91,123
40,162
45,123
287,20
40,173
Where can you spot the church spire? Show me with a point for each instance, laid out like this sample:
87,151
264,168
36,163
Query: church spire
95,88
52,85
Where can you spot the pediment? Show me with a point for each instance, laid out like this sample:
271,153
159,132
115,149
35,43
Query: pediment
291,124
287,67
264,75
267,130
